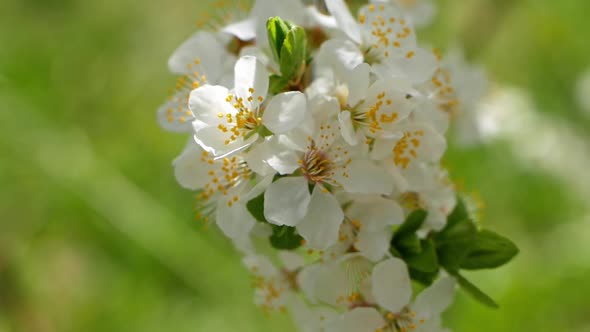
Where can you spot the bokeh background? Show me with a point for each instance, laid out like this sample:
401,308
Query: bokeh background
97,236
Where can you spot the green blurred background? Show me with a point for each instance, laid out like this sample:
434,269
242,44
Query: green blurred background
97,236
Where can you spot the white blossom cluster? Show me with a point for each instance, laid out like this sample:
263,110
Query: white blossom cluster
336,157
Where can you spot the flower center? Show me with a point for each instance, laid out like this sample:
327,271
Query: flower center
224,174
246,121
406,148
388,34
315,165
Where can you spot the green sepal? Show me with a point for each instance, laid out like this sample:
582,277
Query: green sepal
285,238
256,208
426,260
412,223
475,292
424,278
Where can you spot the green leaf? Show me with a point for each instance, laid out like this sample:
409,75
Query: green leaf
293,54
285,238
489,250
475,292
426,260
277,32
256,208
451,255
412,223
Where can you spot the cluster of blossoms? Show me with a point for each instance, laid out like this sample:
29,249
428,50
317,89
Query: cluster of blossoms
315,146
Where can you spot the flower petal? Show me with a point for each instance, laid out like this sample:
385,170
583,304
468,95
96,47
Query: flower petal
210,58
243,30
320,225
358,83
208,101
436,298
250,73
285,111
362,319
234,221
347,129
286,201
190,171
392,287
364,177
346,22
174,115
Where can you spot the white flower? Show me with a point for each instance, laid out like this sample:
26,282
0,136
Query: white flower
274,287
326,162
367,109
224,187
384,39
434,192
198,65
226,121
342,282
311,319
417,144
392,291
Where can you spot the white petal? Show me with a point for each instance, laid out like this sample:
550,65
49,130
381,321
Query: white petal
280,157
256,159
174,115
391,284
243,30
285,111
189,170
320,225
341,55
250,73
234,221
260,265
376,213
346,22
208,101
347,129
311,319
364,177
420,67
436,298
358,83
291,261
286,201
361,319
204,46
373,245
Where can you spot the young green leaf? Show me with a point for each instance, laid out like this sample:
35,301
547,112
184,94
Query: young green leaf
277,32
475,292
285,238
293,54
489,250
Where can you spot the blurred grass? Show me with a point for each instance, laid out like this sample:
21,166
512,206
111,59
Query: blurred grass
96,235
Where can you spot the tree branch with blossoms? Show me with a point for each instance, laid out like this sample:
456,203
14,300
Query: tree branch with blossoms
315,145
